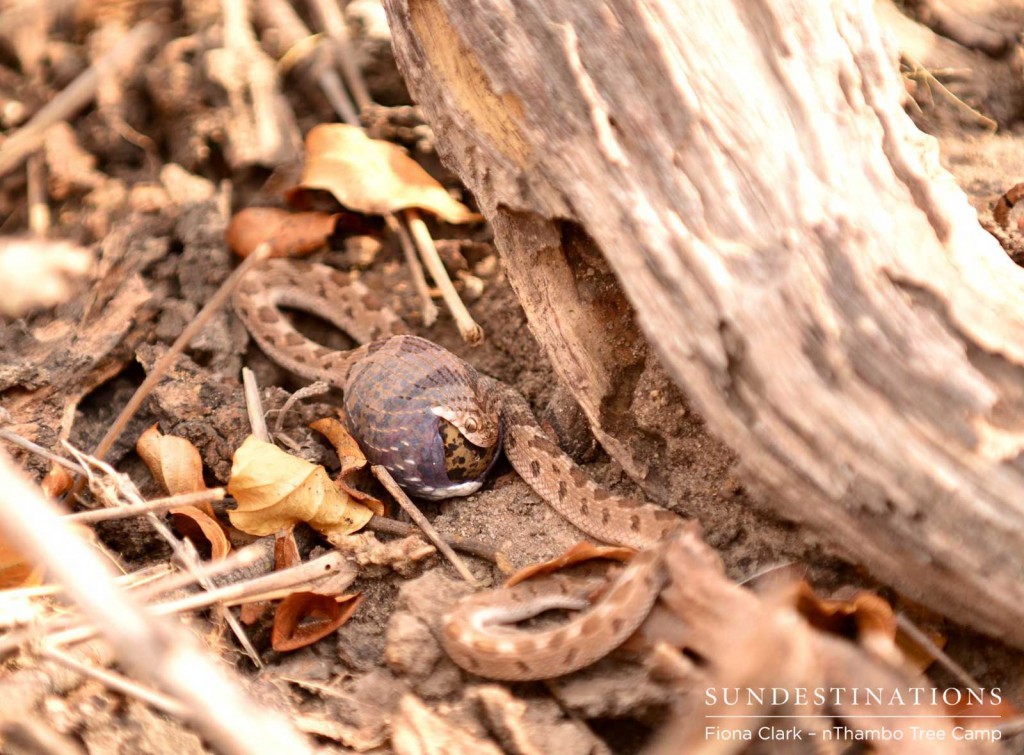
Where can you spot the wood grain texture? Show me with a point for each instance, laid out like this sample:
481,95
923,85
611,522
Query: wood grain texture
804,268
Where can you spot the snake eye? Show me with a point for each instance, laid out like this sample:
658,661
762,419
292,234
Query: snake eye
471,425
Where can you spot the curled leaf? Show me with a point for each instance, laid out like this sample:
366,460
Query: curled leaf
174,462
305,617
372,176
198,526
178,467
352,461
275,490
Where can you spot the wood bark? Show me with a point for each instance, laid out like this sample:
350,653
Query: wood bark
805,270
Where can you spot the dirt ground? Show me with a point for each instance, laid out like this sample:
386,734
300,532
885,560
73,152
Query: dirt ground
141,177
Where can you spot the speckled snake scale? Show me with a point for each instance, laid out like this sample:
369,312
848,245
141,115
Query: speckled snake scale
437,425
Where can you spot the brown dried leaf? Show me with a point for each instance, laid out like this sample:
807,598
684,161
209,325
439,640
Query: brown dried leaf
305,617
198,525
371,176
174,462
575,555
349,453
275,490
57,482
863,613
351,458
15,571
290,234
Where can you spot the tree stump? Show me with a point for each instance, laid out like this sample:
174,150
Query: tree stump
805,270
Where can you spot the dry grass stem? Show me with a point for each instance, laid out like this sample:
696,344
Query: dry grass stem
117,682
331,21
35,448
419,279
468,328
148,507
254,405
38,206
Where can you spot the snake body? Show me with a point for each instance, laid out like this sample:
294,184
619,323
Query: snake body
437,424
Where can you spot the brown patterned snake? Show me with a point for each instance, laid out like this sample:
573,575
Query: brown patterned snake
433,421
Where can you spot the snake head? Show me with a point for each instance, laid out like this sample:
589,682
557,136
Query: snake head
477,424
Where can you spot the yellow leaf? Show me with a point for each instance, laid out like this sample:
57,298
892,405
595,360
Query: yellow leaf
174,462
275,490
372,176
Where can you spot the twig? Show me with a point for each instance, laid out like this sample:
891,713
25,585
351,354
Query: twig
35,448
159,652
163,363
319,388
292,32
330,18
470,331
38,208
469,546
419,280
123,56
147,507
923,641
254,406
117,682
924,73
409,507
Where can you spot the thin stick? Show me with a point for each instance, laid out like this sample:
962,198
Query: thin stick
148,507
254,405
38,208
924,73
292,32
469,546
913,631
122,57
160,368
159,652
40,451
419,280
330,18
470,331
117,682
409,507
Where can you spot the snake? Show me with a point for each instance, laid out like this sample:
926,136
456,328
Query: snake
438,426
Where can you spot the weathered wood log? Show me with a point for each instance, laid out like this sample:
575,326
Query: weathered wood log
807,273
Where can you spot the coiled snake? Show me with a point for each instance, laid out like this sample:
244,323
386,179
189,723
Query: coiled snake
437,424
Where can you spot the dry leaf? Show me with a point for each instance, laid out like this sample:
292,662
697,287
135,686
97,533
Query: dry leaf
178,467
275,490
174,462
305,617
57,482
352,460
372,176
864,613
290,234
575,555
349,453
197,526
15,571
